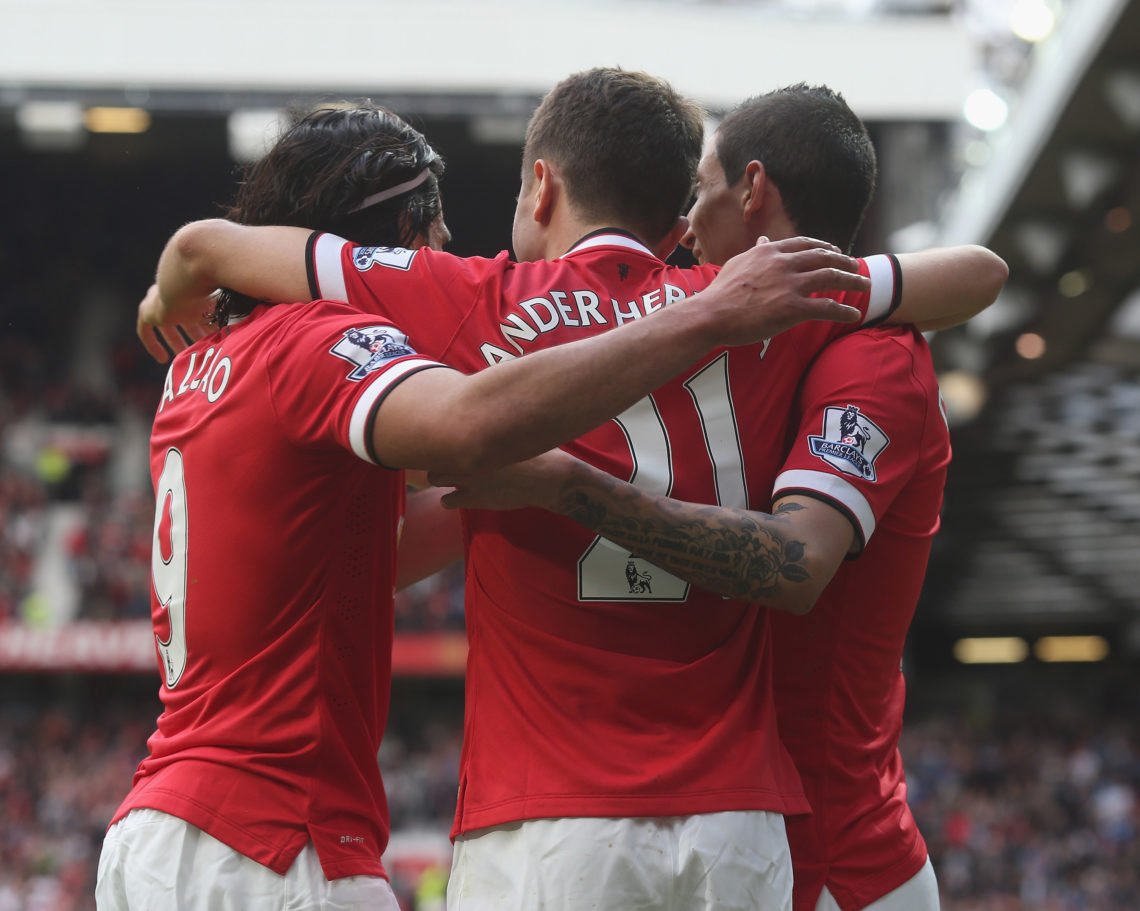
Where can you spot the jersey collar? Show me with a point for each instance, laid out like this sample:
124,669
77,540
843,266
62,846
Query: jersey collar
608,237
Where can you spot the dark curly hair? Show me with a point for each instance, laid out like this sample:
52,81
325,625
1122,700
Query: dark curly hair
323,173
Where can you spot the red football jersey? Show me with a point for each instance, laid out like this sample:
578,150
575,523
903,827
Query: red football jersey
273,568
873,442
597,683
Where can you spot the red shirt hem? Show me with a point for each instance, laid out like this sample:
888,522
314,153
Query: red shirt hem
855,896
569,806
278,858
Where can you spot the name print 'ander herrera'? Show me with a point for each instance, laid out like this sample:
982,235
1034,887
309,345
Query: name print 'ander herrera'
536,316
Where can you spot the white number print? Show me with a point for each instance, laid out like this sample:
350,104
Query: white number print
609,572
168,556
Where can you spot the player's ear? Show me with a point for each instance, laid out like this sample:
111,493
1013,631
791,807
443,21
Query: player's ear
546,191
755,187
668,244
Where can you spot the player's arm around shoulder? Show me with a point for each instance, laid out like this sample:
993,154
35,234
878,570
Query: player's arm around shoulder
265,263
945,287
442,420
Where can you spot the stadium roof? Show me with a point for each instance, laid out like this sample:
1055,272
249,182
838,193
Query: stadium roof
1049,477
717,53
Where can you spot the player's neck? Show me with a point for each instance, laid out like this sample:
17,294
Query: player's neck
562,236
777,226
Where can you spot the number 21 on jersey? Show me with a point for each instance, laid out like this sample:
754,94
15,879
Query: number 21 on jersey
608,572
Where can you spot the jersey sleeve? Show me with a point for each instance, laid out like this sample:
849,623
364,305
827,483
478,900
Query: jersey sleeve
885,293
861,418
428,293
330,371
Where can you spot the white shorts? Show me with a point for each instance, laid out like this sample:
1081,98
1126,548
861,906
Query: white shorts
153,861
919,893
736,861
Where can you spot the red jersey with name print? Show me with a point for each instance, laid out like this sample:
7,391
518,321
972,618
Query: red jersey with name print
273,569
598,684
872,441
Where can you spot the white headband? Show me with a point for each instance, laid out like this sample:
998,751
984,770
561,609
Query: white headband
393,191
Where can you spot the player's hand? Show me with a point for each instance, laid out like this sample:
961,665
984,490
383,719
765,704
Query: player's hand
773,286
155,329
535,482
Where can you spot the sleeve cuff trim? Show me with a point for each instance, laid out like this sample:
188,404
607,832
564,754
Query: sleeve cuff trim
831,489
368,405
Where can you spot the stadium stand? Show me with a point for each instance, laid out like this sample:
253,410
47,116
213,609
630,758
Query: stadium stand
1030,803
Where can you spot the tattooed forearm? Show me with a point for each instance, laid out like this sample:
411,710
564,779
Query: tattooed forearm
742,554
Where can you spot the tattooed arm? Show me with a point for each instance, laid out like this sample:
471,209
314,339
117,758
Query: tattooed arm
783,559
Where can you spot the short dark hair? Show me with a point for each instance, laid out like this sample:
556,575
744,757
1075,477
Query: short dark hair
814,149
321,172
626,144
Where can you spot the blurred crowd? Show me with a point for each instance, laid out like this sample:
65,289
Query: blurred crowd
73,488
75,496
62,773
66,763
21,530
432,605
1030,811
1022,811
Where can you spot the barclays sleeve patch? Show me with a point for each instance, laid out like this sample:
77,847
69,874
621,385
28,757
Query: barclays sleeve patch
370,348
850,441
364,258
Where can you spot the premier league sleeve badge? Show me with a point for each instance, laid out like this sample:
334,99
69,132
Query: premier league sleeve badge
370,348
850,441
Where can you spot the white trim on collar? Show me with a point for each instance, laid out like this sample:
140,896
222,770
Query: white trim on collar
609,240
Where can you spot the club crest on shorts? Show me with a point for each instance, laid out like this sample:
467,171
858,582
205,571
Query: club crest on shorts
364,258
370,348
850,441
